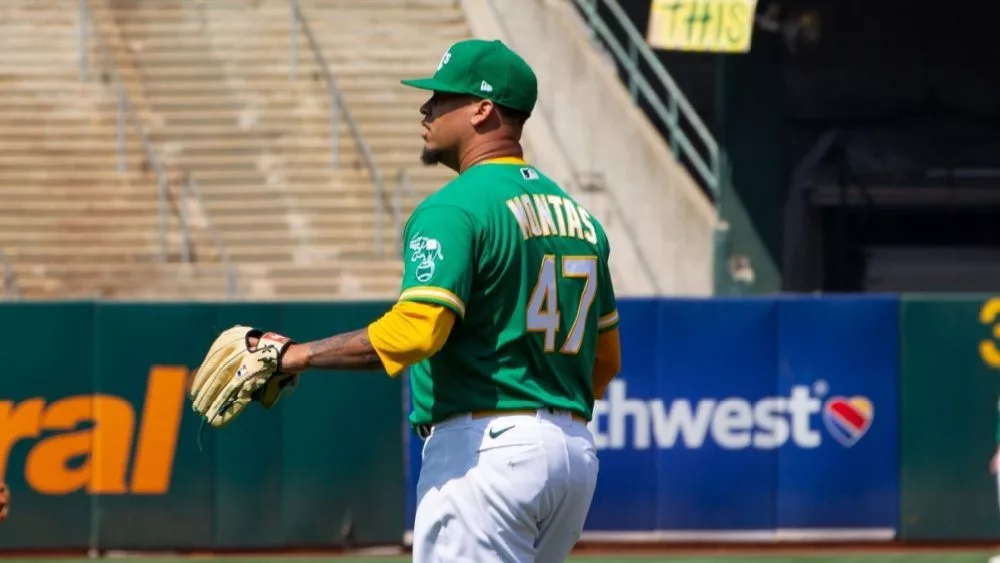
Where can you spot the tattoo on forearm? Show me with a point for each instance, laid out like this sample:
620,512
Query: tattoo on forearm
349,351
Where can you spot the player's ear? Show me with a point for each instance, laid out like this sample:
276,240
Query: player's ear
483,111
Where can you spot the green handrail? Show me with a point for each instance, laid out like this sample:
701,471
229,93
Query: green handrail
707,165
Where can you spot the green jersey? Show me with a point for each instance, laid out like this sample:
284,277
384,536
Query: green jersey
525,269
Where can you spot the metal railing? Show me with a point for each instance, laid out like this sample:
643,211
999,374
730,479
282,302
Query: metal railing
628,56
190,190
10,288
338,109
404,188
126,112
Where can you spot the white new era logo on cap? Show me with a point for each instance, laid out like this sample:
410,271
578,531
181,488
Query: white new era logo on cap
486,87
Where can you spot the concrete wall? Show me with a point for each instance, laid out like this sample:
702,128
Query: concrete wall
585,124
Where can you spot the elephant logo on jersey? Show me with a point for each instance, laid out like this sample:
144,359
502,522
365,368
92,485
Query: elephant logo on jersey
426,252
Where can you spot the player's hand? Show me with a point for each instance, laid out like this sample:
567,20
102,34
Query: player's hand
4,501
293,360
284,382
995,462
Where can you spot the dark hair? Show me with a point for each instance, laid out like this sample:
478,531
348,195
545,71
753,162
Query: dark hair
515,115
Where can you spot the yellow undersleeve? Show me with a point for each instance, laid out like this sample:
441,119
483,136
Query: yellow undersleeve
410,332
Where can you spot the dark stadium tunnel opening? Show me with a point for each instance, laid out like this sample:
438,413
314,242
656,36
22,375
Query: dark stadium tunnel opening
869,249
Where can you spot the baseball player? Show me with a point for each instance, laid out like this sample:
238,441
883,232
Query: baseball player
506,319
4,501
995,469
995,460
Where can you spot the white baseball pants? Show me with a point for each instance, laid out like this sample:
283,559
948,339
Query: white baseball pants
511,488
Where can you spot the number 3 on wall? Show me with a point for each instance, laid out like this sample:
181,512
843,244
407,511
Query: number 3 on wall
543,307
987,348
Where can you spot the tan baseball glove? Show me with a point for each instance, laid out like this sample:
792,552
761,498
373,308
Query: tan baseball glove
233,375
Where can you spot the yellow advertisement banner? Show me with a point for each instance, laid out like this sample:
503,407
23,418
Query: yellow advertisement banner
721,26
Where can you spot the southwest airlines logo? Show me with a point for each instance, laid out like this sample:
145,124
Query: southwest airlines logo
732,423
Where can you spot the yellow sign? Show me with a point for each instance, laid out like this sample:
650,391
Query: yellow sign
100,429
723,26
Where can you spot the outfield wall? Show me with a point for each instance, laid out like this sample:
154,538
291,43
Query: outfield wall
796,418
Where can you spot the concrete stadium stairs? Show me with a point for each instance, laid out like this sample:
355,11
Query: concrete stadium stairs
373,45
210,80
214,79
70,223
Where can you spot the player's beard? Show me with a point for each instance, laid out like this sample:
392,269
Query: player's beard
445,157
430,157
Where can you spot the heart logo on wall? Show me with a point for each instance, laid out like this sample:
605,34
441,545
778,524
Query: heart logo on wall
848,418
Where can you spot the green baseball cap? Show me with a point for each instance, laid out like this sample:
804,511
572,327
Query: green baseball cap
485,69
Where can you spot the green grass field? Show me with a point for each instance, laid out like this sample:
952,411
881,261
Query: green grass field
950,556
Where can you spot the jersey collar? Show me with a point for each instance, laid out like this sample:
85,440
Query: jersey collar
505,160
